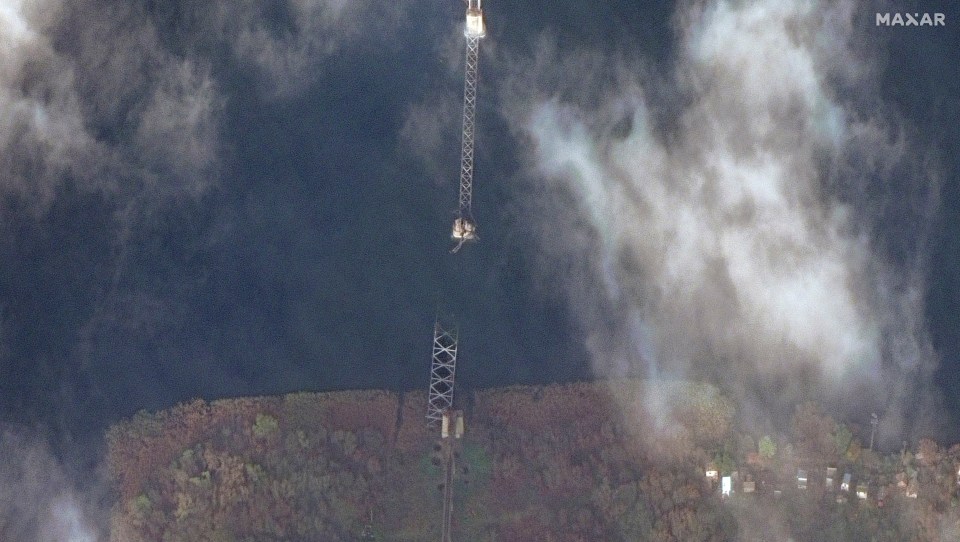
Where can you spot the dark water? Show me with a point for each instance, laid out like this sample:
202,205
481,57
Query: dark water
929,88
319,261
922,77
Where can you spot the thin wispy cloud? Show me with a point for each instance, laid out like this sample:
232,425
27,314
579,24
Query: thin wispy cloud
117,111
720,234
118,117
39,500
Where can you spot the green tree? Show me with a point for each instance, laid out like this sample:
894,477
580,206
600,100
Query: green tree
264,425
767,448
724,462
842,437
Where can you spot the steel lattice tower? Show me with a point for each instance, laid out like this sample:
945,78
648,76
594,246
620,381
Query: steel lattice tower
464,228
471,77
442,371
443,366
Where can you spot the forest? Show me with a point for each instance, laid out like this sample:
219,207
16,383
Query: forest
571,462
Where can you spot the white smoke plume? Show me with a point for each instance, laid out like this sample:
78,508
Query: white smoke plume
38,499
123,104
726,226
121,98
118,116
288,55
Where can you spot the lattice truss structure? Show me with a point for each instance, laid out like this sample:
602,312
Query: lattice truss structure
442,371
470,80
464,228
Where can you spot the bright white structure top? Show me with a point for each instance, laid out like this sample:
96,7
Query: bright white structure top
474,27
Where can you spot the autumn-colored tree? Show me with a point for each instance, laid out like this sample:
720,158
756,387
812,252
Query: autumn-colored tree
553,463
813,433
928,452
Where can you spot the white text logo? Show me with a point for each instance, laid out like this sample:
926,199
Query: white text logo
911,19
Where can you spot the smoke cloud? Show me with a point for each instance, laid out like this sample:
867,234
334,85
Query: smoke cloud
112,118
39,500
754,215
120,117
725,222
287,43
121,98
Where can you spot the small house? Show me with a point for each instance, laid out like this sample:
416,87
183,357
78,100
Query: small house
711,472
912,489
749,486
726,486
845,484
831,476
862,491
